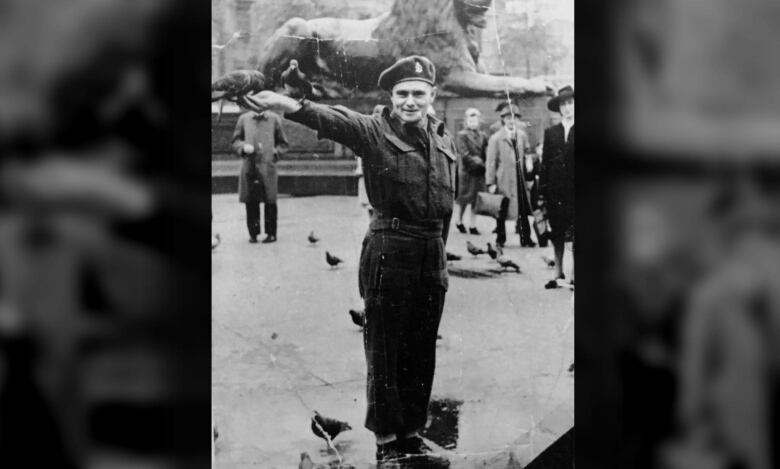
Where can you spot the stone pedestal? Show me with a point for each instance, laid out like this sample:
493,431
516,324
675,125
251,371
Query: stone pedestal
322,167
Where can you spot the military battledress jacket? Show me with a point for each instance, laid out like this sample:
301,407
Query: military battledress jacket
410,176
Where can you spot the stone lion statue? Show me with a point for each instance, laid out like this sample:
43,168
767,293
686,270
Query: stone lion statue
344,56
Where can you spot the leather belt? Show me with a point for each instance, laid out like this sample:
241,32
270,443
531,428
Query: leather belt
425,229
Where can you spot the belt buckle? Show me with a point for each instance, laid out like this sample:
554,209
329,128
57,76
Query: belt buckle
395,223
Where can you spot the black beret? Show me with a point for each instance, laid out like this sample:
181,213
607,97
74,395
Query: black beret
503,110
414,67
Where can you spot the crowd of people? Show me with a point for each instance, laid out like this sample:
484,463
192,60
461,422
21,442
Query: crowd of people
537,184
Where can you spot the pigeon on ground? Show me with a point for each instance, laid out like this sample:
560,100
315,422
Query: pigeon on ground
235,85
549,262
507,263
215,240
331,427
305,462
313,239
295,82
453,257
358,317
491,252
473,250
332,260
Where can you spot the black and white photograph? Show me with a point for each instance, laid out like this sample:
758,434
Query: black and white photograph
392,233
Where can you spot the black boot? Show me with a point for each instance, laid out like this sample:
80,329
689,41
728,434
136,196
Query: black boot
419,452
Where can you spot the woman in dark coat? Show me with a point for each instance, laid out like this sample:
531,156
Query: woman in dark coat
557,176
471,143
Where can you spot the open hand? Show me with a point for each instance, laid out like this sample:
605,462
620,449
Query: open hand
271,101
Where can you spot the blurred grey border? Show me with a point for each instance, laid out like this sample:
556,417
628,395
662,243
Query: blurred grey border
679,191
104,219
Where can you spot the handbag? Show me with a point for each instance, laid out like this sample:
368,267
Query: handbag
491,205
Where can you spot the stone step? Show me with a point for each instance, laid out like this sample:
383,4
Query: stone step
299,167
296,178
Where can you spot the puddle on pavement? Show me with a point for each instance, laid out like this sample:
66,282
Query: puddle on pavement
442,427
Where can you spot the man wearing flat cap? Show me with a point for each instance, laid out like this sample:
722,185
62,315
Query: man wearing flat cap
409,168
556,180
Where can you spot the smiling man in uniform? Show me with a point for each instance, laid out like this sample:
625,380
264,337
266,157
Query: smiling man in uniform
409,167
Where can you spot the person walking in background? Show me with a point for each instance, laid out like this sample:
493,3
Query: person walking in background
501,176
556,180
471,143
259,139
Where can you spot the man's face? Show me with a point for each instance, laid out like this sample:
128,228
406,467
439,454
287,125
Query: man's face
567,108
411,100
472,121
510,122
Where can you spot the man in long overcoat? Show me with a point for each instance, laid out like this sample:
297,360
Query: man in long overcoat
259,140
501,176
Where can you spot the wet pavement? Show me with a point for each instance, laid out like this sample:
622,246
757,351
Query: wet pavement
284,345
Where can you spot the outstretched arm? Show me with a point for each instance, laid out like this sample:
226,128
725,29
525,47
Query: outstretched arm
352,129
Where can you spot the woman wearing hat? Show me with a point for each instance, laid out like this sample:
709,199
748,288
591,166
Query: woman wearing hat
556,181
471,143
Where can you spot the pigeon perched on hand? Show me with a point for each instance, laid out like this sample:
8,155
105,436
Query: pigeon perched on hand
313,239
507,263
475,251
294,81
491,252
235,85
331,427
332,260
358,317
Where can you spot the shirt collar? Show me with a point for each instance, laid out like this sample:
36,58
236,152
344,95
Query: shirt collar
258,115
